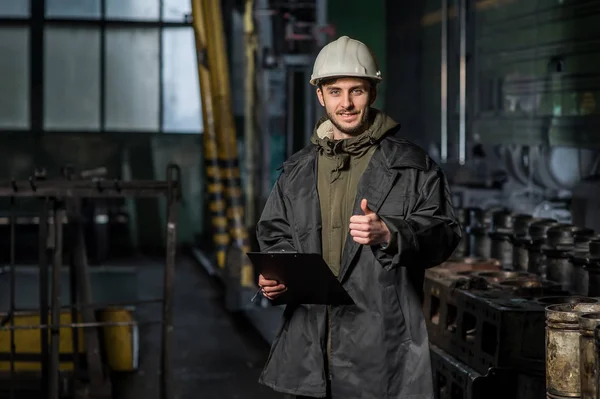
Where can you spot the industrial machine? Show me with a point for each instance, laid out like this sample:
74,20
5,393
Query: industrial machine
65,332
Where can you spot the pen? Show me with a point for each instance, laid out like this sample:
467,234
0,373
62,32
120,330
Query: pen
255,295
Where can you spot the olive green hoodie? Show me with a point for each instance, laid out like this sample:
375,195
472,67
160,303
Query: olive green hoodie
341,164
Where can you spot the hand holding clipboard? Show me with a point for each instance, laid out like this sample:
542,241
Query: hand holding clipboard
307,278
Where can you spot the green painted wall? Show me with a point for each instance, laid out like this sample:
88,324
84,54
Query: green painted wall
365,22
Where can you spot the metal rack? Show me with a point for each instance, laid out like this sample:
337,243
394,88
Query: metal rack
60,203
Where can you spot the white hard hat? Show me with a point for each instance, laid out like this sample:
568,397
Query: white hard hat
345,57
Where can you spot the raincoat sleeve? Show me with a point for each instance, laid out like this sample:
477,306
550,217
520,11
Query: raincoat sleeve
273,230
429,234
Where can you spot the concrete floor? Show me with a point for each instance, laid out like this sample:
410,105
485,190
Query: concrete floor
216,354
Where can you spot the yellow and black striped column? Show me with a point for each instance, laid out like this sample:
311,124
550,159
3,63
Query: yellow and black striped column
226,138
214,176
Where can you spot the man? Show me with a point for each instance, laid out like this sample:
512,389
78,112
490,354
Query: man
378,209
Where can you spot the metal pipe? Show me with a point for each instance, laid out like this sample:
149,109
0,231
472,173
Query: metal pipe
250,112
98,383
54,387
321,19
12,296
213,173
462,144
74,316
82,188
169,282
43,289
94,324
444,84
98,305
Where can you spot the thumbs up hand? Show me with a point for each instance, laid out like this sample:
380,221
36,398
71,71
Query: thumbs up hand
368,229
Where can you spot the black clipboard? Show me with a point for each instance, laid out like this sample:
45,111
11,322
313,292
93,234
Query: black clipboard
306,275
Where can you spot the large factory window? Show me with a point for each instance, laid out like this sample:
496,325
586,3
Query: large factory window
133,9
176,10
107,66
14,77
132,79
14,8
72,8
181,103
72,95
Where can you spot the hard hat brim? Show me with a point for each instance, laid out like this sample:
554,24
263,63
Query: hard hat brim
315,81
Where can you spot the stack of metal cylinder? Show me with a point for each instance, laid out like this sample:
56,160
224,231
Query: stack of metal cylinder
513,280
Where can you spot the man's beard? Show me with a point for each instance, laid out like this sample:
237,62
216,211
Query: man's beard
354,130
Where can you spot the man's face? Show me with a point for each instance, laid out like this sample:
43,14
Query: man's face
347,102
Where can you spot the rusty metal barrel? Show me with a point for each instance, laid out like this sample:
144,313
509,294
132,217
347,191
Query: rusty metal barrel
500,235
588,358
593,268
562,348
597,350
520,238
537,232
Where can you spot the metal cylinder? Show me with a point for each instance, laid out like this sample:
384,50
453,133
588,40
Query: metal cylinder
593,268
583,237
520,238
580,260
562,347
597,350
558,250
500,235
588,359
473,219
462,249
537,234
478,241
580,277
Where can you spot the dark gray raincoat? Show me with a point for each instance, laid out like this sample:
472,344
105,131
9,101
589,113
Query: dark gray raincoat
379,346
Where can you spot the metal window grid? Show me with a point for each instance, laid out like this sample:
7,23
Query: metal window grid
37,21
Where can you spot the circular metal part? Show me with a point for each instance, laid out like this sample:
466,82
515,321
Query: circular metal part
521,224
555,300
537,230
561,235
498,276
